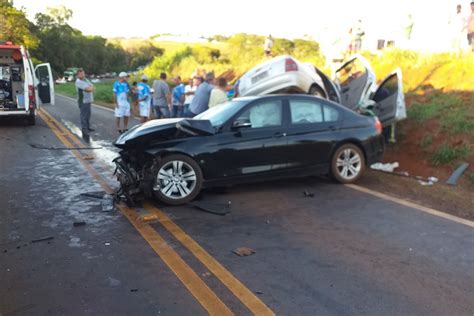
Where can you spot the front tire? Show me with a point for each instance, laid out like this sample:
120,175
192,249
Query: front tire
177,180
347,164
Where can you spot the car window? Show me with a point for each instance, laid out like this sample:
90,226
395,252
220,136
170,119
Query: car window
389,88
263,114
305,111
352,71
330,113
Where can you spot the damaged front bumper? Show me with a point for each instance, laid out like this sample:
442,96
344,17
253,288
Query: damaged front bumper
129,179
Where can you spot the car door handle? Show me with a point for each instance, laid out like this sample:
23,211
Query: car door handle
278,135
332,128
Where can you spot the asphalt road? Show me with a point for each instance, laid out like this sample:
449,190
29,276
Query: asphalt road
341,252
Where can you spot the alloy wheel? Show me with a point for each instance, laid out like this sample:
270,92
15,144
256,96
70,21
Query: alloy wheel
348,164
176,180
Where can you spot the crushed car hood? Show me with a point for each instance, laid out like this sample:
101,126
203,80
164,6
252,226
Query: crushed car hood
154,128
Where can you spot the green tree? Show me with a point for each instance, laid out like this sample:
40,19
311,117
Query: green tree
15,27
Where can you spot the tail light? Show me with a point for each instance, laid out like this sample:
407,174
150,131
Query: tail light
31,96
290,65
378,125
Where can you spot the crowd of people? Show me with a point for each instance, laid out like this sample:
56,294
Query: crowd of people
156,101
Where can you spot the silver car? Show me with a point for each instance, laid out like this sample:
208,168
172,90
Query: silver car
354,85
282,74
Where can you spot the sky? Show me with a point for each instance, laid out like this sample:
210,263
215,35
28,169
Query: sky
322,20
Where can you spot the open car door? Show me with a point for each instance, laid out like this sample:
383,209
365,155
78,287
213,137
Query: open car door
389,99
331,89
356,81
45,83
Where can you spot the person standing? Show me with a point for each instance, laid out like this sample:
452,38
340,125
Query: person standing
85,97
200,102
189,91
457,24
268,45
219,94
358,34
144,99
122,106
161,97
470,27
178,97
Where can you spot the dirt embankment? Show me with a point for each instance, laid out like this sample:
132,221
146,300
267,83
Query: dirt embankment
437,136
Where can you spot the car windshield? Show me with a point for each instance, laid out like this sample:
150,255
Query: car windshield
218,115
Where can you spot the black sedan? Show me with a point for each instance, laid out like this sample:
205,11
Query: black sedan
245,140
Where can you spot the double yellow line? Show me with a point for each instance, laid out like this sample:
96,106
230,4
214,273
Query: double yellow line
195,285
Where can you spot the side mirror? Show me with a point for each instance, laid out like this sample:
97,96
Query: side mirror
241,124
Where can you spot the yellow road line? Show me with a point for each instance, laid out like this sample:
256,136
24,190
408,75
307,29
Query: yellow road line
253,303
412,205
247,297
198,288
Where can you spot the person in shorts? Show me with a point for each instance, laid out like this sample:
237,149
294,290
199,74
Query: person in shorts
144,99
122,106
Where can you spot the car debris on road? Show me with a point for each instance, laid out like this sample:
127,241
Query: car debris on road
243,251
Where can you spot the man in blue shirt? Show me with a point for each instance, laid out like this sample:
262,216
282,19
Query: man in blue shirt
144,99
122,106
178,97
200,103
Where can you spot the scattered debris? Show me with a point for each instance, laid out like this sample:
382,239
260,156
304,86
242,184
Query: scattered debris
43,239
107,203
244,251
95,195
5,251
213,208
87,157
308,194
114,282
426,181
258,292
147,218
453,179
76,224
133,290
206,274
386,167
107,244
267,222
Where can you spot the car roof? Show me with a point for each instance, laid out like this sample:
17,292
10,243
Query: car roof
278,96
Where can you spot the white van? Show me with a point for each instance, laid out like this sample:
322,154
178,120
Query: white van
22,87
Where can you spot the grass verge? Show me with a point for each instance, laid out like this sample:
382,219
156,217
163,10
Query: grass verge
446,154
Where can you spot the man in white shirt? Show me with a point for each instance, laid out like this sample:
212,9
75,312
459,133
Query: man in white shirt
457,25
189,91
267,47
